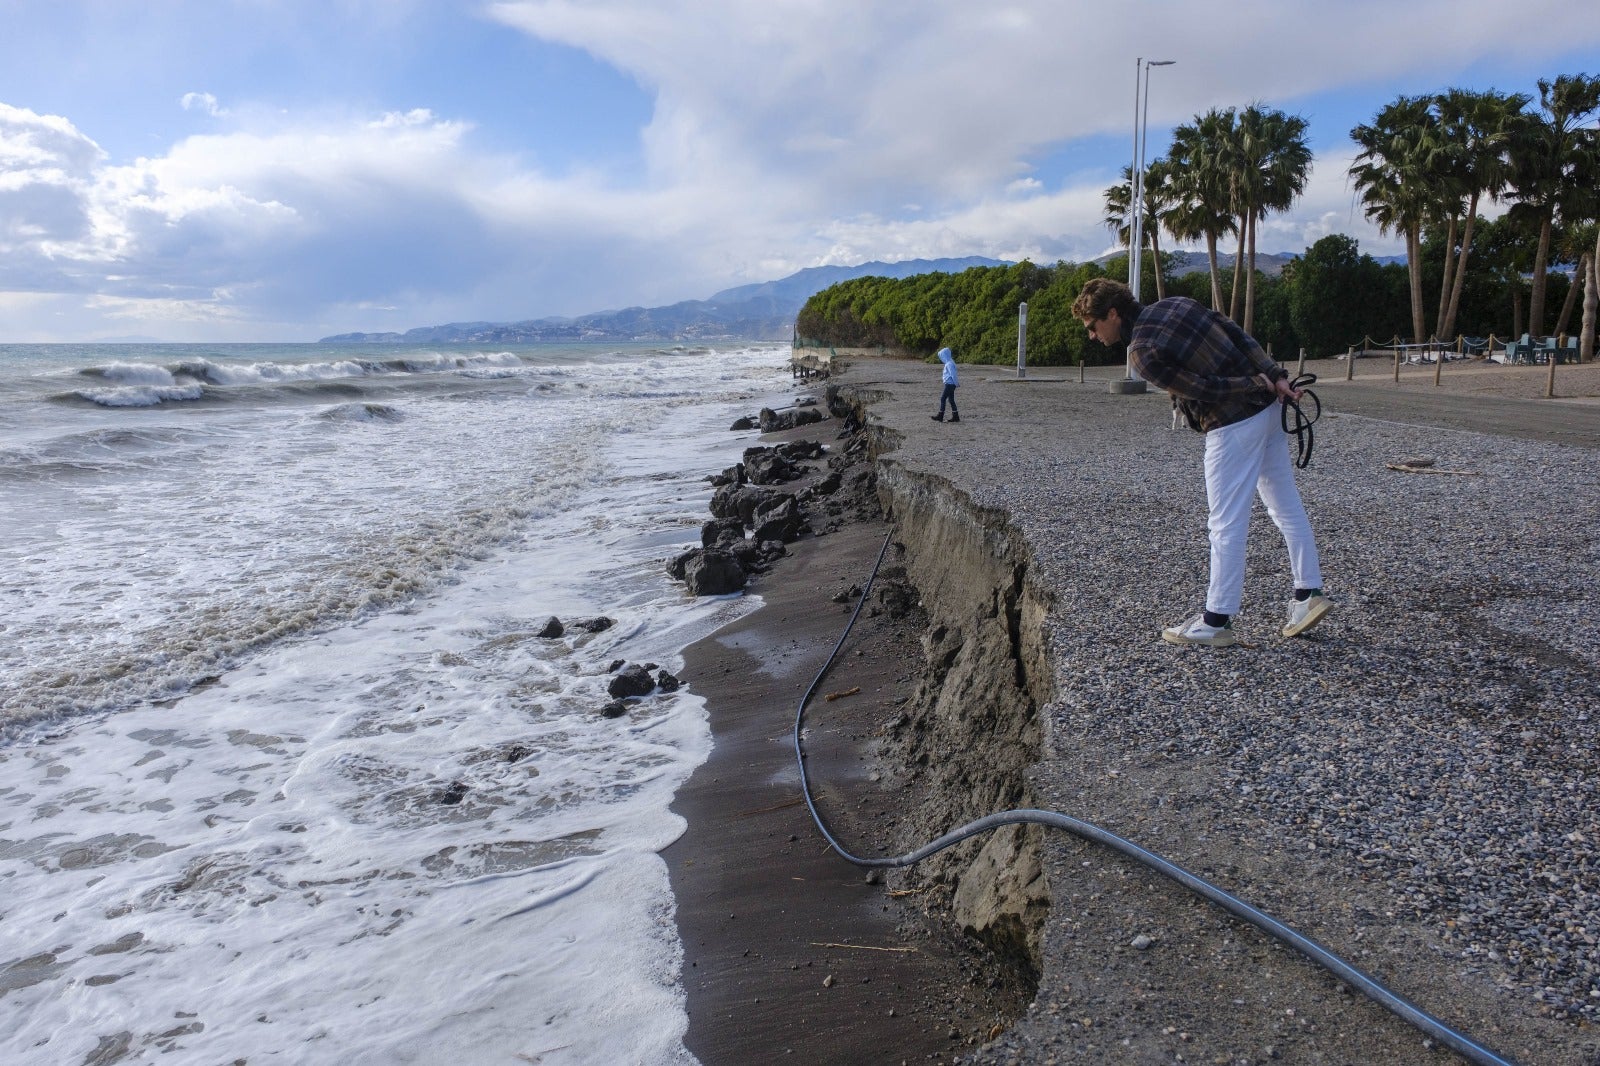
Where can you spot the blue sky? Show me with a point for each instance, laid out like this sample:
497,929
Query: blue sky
283,169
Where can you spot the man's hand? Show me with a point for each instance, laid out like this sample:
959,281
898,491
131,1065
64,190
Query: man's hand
1280,389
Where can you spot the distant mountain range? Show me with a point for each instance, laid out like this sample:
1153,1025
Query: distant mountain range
763,311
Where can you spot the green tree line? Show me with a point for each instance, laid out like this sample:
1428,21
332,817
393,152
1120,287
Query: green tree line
1325,301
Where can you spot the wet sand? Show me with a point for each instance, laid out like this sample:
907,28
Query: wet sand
789,949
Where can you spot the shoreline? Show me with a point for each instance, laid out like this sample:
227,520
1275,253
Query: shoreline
1199,985
787,947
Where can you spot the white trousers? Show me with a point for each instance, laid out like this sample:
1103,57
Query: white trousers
1243,459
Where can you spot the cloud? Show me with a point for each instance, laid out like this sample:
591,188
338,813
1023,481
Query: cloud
233,226
253,231
46,167
836,110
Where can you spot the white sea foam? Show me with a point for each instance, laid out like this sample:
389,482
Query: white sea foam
142,395
148,384
376,845
291,778
258,373
132,373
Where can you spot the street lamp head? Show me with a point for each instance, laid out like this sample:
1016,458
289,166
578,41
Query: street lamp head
1160,62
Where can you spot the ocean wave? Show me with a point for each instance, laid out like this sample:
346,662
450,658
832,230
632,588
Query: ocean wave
261,383
22,468
266,373
362,412
96,452
141,395
237,533
343,580
189,372
131,374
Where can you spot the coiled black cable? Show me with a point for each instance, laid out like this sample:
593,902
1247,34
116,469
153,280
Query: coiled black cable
1297,423
1397,1004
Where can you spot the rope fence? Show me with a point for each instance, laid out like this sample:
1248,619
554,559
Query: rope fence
1546,351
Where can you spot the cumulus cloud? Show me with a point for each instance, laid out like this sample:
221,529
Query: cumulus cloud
203,102
273,221
46,168
294,225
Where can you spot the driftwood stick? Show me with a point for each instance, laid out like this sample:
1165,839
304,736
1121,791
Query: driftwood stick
1406,468
775,807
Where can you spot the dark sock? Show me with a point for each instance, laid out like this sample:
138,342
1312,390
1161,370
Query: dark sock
1217,620
1302,595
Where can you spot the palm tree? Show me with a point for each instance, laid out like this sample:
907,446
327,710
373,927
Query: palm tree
1591,303
1395,172
1573,247
1198,184
1550,151
1476,128
1119,214
1157,202
1270,165
1580,229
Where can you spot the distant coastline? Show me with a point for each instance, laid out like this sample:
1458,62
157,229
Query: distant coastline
761,311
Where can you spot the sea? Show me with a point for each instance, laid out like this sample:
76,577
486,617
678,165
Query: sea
287,773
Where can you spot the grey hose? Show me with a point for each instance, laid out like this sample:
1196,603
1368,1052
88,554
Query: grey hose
1400,1006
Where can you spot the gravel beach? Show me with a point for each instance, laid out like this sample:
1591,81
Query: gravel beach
1413,784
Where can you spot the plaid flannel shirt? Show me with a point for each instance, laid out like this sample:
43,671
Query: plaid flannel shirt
1204,360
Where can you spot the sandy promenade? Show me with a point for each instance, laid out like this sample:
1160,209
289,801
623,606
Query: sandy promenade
1414,786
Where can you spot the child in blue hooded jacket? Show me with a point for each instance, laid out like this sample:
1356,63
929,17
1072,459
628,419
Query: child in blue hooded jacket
949,394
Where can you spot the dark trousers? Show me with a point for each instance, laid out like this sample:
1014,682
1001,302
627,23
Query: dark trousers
948,396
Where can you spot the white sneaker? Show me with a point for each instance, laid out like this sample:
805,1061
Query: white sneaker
1303,614
1195,631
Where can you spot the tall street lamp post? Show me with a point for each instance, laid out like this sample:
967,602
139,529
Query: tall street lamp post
1141,121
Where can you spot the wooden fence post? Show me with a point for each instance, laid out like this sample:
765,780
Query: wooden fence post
1396,343
1301,369
1350,364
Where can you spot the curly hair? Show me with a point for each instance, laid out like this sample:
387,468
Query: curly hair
1102,295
